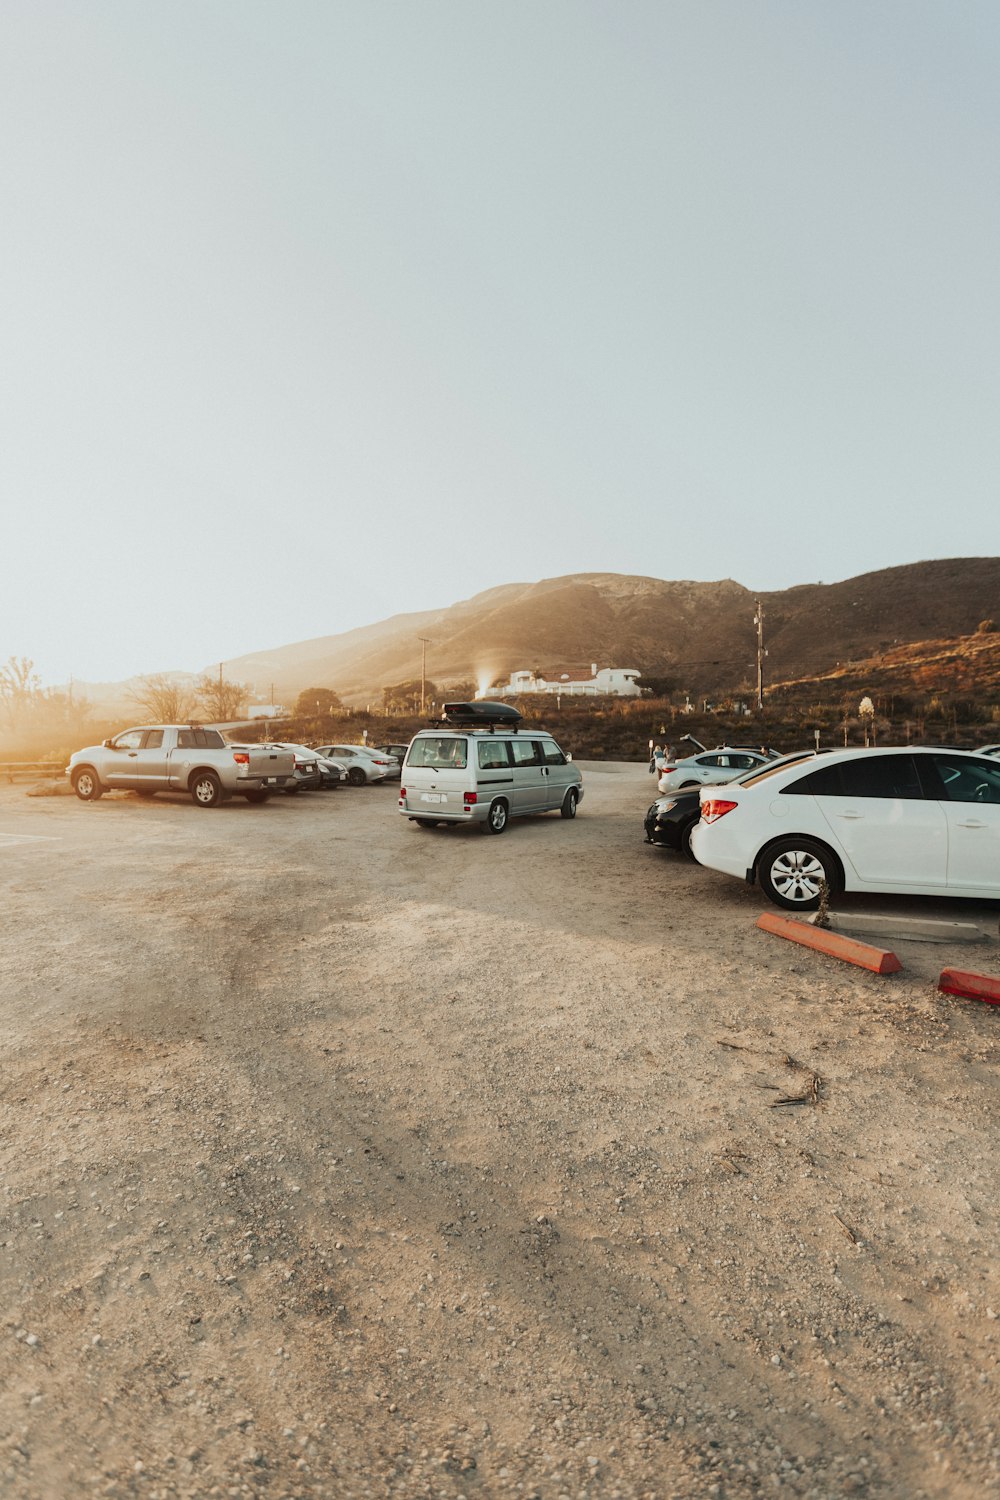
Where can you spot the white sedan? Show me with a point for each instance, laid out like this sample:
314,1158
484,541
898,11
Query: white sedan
709,767
362,764
905,821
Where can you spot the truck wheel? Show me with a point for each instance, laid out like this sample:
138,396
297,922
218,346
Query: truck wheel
357,777
86,785
206,789
257,797
568,808
497,820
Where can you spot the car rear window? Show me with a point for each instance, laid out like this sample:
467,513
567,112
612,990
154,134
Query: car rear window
439,753
200,739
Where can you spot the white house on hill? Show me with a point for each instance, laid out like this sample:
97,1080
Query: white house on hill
611,682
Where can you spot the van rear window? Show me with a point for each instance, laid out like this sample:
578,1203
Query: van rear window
439,753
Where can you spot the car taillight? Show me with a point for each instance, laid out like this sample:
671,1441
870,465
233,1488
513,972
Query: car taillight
667,769
378,762
241,757
469,798
714,808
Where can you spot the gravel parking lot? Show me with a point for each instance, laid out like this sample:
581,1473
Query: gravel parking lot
342,1158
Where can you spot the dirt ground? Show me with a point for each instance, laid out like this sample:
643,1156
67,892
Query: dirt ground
344,1158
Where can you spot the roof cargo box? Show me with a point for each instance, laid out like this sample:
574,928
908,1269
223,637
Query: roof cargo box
482,714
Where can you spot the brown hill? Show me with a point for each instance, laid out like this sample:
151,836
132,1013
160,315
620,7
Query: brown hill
701,634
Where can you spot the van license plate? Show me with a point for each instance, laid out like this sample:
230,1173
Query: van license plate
431,797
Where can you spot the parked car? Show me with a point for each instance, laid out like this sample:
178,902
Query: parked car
331,771
480,766
901,820
710,766
670,820
192,758
364,763
308,776
398,752
988,750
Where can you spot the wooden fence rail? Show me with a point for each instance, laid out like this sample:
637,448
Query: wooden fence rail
11,768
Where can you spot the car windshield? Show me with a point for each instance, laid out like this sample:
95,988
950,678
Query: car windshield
439,753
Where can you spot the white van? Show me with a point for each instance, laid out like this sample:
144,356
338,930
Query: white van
478,765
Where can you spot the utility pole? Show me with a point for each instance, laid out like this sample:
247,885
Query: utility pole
424,642
758,620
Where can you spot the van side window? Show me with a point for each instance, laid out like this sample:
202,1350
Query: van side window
526,752
553,755
493,755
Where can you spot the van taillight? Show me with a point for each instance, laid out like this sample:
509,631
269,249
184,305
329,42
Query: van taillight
241,757
402,792
714,808
469,798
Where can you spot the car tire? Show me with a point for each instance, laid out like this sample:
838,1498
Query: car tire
206,789
792,873
686,784
568,809
87,784
292,790
498,817
257,797
356,776
686,833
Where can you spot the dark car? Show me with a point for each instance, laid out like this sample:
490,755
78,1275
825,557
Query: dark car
671,818
399,751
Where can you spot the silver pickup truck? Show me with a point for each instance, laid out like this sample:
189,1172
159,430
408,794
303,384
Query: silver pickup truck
180,758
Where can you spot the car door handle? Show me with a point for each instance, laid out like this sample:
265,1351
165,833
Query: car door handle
854,816
970,824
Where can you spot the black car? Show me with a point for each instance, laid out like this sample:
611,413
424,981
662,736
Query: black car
671,818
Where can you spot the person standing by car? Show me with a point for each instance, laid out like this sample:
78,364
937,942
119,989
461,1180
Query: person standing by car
654,752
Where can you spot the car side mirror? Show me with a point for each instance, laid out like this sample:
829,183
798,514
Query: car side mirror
569,757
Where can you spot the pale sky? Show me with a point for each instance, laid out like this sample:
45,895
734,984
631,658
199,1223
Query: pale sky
316,312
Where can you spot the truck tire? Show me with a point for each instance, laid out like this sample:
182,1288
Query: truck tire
206,789
87,784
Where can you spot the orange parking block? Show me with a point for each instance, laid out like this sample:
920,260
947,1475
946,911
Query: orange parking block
970,986
879,960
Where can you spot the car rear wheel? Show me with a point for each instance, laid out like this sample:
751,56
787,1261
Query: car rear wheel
356,776
793,872
568,809
206,789
498,817
87,785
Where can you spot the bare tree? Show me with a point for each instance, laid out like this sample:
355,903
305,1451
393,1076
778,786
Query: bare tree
20,687
220,700
165,701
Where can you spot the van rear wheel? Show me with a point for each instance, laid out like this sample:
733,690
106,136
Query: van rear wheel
496,822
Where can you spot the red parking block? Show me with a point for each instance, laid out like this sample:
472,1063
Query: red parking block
970,986
879,960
